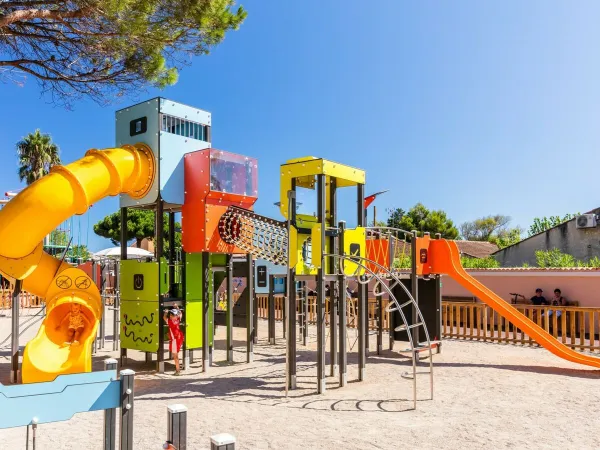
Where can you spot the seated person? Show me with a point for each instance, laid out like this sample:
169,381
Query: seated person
76,324
538,299
558,300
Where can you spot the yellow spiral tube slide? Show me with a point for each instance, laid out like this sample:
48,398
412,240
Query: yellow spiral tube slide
33,214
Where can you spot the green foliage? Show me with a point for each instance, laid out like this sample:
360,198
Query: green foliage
507,237
556,258
104,49
37,154
545,223
140,226
493,229
79,253
479,263
404,261
421,219
59,237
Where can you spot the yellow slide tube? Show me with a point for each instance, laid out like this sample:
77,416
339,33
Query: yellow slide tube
33,214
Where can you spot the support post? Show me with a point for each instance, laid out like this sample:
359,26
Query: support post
318,253
127,396
205,311
290,300
14,338
171,254
332,269
362,297
177,426
271,309
123,230
380,324
110,415
186,351
305,313
391,325
250,311
343,318
97,338
158,238
229,313
222,441
414,282
254,304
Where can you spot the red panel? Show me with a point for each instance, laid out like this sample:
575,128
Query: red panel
378,250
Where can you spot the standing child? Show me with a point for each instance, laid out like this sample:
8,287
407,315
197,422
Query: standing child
173,319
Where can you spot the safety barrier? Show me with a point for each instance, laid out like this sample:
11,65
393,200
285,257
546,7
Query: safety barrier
59,400
26,299
576,327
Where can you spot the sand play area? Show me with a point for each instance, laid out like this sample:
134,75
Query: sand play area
486,396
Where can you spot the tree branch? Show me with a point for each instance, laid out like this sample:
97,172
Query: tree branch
21,15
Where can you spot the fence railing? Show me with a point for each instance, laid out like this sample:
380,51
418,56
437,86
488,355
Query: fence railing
576,327
26,300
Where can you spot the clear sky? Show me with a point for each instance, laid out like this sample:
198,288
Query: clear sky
472,107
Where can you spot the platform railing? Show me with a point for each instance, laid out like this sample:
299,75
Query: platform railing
576,327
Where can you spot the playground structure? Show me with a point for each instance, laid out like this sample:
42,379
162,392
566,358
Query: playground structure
164,162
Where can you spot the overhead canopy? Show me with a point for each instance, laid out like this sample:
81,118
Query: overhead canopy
115,253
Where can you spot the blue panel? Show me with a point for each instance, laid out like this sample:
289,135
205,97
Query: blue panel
60,399
172,150
272,269
148,109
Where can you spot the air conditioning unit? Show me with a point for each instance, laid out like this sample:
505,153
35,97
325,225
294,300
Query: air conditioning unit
586,221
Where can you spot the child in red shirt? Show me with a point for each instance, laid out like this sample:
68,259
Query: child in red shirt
173,319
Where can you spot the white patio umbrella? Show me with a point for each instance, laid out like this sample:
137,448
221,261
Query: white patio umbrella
115,252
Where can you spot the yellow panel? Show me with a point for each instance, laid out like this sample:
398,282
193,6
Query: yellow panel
354,245
315,237
306,168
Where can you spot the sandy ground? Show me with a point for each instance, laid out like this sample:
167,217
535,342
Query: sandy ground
486,395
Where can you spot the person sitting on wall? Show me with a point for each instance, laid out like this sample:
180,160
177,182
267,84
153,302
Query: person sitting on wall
558,300
538,299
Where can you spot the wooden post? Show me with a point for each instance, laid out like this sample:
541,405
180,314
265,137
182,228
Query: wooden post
177,426
127,396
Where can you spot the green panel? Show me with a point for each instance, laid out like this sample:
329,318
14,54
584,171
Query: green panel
218,259
164,276
131,270
193,304
139,325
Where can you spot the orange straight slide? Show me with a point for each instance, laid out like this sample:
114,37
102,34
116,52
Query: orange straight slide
444,258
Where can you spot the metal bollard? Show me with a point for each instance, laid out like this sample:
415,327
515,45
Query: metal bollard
110,415
177,426
222,441
127,396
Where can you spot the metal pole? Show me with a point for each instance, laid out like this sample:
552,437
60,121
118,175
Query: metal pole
205,311
183,280
290,299
14,337
414,280
250,311
317,253
305,313
171,267
271,309
116,305
391,325
254,304
343,358
110,415
123,258
158,238
229,312
333,297
362,297
379,324
127,396
177,426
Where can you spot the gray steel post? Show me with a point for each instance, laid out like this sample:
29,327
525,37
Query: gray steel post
127,396
229,313
177,426
250,331
158,235
290,301
110,415
343,357
317,254
333,297
414,279
123,230
116,308
391,325
254,305
362,298
14,337
305,313
205,310
222,441
271,309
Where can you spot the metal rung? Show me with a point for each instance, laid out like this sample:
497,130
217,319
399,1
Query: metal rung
403,305
404,327
432,343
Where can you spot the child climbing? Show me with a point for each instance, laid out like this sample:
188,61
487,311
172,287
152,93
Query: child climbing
76,324
173,319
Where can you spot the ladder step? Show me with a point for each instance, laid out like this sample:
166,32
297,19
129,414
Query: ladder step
404,327
389,308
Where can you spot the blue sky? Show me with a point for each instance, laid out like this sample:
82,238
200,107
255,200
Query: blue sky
472,107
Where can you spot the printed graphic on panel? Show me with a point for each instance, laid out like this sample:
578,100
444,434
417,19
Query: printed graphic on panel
139,325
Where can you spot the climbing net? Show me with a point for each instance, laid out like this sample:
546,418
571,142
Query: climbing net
258,235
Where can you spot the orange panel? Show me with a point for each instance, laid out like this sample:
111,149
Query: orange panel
203,207
378,250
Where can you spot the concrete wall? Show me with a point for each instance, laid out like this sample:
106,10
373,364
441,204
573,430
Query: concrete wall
582,243
581,286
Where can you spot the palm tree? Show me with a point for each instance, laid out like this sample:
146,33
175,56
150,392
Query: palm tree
37,154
